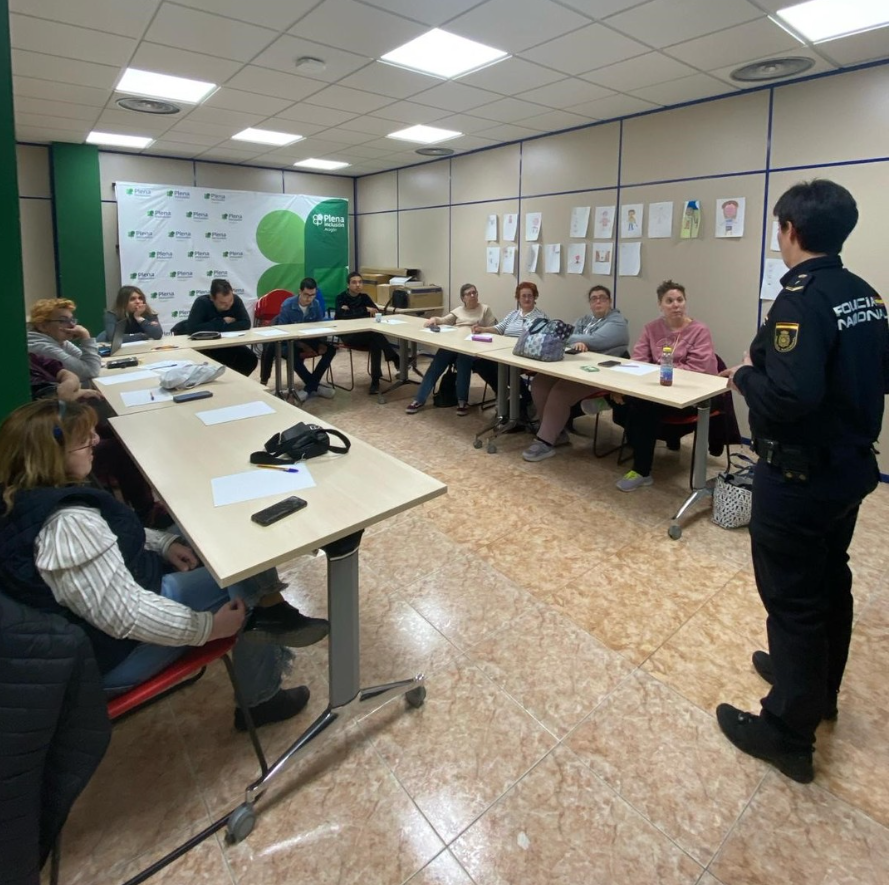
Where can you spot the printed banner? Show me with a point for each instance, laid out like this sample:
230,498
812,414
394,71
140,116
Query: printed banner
175,240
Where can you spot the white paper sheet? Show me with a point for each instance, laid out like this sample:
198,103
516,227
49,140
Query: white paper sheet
602,253
259,483
510,223
604,222
580,221
631,218
635,368
660,220
531,257
493,259
130,343
232,334
576,257
441,330
146,397
690,227
268,333
773,240
772,272
399,281
553,261
730,217
629,262
235,413
321,330
533,221
138,375
392,322
507,263
491,229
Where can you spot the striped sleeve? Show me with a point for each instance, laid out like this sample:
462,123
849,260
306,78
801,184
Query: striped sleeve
78,557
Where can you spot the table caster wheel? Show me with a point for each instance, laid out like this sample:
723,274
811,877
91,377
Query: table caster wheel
675,532
492,448
477,444
416,697
240,824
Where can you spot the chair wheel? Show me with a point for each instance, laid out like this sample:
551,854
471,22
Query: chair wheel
675,532
477,444
240,824
416,697
492,448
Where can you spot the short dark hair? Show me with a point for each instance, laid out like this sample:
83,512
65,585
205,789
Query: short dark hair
308,283
466,287
220,287
666,286
598,288
823,214
352,275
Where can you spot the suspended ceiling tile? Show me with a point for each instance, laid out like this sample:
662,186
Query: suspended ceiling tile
565,93
245,102
586,48
431,12
756,39
283,53
65,93
128,18
409,112
388,80
685,89
508,110
274,83
69,41
554,121
870,46
511,76
44,108
646,70
613,106
181,63
599,9
275,14
455,97
310,113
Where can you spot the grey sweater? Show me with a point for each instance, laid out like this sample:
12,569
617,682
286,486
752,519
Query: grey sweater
610,335
81,358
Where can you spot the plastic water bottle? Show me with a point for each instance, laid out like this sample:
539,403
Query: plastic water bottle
667,367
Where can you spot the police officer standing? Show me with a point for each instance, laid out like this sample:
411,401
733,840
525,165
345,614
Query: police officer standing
814,381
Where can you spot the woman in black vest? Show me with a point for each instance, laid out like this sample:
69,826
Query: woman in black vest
138,593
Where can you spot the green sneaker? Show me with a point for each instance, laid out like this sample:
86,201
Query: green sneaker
632,481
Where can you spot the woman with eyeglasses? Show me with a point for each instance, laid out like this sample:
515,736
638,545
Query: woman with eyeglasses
52,332
470,313
139,594
132,306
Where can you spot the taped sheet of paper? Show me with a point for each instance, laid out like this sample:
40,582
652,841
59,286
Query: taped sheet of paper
253,484
235,413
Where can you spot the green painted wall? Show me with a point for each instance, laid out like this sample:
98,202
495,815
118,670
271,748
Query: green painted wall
14,389
77,221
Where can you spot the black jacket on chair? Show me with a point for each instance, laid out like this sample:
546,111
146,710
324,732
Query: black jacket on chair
54,731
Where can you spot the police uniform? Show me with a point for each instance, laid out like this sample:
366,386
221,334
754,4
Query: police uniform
815,393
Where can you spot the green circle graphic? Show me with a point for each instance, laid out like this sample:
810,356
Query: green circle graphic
280,236
281,276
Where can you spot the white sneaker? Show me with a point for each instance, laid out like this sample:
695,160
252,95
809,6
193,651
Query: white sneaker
632,481
538,451
300,396
325,391
594,405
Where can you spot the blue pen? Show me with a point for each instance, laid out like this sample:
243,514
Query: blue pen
277,467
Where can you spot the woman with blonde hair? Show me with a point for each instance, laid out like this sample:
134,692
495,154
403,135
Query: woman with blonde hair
142,322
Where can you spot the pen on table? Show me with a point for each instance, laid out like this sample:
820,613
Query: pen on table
278,467
151,394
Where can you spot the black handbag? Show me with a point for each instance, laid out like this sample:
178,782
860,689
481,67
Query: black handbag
299,443
398,300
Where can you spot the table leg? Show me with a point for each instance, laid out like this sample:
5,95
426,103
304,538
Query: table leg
347,699
404,359
291,392
278,391
508,407
701,489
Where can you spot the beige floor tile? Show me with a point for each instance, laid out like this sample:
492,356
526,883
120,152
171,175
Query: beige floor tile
467,599
636,598
561,824
343,821
708,663
869,655
463,749
555,670
444,870
797,835
737,605
668,759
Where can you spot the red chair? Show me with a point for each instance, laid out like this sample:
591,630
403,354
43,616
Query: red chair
269,306
181,673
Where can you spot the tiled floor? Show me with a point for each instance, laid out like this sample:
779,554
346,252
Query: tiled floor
574,655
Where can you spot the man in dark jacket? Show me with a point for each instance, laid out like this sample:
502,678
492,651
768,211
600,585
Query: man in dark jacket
223,311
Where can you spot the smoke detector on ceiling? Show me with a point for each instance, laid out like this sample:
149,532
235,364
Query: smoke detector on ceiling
148,106
308,64
772,69
435,151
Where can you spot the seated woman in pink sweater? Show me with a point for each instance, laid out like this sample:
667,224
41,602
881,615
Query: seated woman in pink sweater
692,350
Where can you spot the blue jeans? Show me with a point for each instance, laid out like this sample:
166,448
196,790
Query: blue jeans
440,362
258,666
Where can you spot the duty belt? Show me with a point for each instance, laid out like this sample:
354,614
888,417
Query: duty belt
795,462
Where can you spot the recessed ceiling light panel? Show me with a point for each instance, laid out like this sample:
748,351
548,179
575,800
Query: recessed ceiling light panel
771,69
154,85
442,54
147,106
266,136
110,139
326,165
822,20
424,134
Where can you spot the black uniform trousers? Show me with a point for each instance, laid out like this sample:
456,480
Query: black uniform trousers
800,533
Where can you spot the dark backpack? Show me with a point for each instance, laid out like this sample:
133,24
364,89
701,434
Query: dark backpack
446,395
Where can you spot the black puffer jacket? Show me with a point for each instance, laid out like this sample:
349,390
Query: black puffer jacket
54,731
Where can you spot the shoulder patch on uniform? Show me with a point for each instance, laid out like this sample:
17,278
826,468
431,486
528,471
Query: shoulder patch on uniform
798,283
786,336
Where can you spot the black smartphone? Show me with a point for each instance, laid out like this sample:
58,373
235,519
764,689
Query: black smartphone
607,364
194,394
571,350
122,363
278,511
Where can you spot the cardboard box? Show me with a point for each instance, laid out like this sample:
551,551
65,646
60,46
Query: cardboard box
390,271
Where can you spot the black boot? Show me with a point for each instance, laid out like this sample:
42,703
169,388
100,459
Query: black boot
282,624
283,705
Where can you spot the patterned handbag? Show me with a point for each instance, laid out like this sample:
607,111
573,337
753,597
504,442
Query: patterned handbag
544,340
733,494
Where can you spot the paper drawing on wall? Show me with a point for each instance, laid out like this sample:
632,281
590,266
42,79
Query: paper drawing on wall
493,259
533,220
580,220
507,264
691,220
491,229
730,217
510,223
604,222
660,220
576,257
531,259
773,240
553,260
629,259
631,220
602,258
